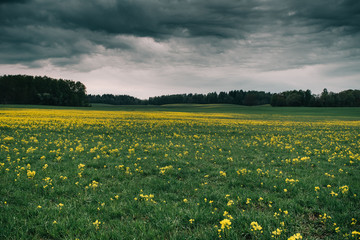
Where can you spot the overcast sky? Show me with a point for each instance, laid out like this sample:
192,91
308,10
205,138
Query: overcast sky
147,48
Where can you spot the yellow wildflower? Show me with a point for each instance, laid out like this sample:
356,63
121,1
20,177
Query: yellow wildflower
225,224
255,226
97,224
31,174
295,236
277,232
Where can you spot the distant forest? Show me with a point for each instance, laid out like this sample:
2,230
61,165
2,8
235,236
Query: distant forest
23,89
294,98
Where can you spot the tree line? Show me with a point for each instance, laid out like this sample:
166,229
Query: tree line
115,99
294,98
233,97
347,98
249,98
24,89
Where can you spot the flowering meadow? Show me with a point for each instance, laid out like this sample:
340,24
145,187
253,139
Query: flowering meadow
68,173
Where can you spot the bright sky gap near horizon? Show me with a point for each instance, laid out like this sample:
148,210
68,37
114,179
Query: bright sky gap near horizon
146,48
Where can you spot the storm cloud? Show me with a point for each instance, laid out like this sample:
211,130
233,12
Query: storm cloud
182,41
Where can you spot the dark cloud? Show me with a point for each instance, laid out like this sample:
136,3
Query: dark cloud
13,1
250,33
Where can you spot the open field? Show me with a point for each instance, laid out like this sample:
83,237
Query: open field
179,172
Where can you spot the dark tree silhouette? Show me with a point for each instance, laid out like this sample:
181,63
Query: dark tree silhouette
24,89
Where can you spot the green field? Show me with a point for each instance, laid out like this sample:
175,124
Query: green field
179,172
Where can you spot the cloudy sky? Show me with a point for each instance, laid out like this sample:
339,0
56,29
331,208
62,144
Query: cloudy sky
147,48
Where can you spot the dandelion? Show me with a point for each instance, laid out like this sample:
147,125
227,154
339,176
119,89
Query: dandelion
60,205
344,189
225,224
295,236
334,194
8,139
353,221
164,169
230,202
355,234
222,173
317,189
97,224
324,217
276,233
291,181
255,226
81,166
63,177
94,184
242,171
30,174
227,215
191,221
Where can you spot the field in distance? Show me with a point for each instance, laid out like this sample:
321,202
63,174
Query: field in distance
179,172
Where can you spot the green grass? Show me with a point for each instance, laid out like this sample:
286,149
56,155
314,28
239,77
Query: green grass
255,112
157,167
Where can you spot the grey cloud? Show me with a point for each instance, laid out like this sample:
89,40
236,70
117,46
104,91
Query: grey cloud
256,33
13,1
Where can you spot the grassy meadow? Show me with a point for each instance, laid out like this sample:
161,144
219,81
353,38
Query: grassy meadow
179,172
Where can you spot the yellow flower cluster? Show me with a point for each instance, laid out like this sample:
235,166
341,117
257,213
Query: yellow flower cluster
48,182
225,224
344,189
355,234
8,139
147,197
94,184
324,217
276,233
30,174
81,169
255,227
291,181
295,236
243,171
166,168
97,224
60,205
